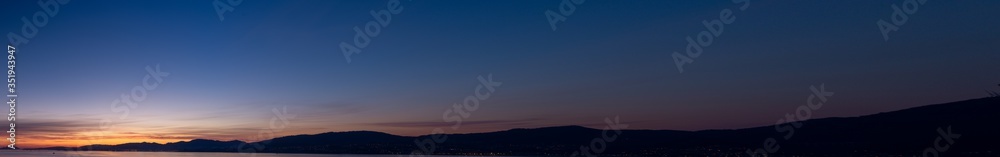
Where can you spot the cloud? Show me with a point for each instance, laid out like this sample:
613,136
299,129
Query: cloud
53,126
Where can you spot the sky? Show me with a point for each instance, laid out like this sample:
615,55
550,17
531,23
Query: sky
607,59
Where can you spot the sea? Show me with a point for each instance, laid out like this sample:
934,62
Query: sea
174,154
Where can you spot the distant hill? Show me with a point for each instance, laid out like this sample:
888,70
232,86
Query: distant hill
903,132
196,145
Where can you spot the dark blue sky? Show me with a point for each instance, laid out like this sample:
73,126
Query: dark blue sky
609,58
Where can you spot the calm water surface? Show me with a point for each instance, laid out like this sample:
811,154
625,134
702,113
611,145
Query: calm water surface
169,154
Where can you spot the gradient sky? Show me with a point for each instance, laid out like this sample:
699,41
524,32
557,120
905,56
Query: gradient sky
609,58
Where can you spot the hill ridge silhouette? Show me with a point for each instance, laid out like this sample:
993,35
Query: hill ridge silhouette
900,132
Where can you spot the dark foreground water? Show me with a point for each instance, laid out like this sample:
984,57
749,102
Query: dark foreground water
169,154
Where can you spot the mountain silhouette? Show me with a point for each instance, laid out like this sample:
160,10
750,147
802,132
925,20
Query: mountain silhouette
904,132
